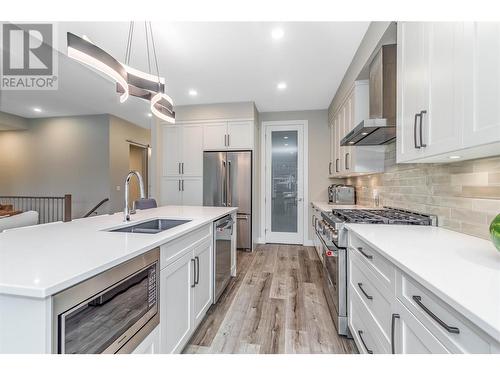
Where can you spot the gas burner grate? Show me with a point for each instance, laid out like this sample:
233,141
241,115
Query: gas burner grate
382,216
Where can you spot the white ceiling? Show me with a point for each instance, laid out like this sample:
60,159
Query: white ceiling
224,62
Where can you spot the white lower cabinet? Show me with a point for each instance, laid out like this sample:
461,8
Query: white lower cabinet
151,344
185,294
202,292
176,290
409,336
389,312
186,191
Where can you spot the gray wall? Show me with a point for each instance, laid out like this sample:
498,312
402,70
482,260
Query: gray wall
319,151
378,33
55,156
119,132
214,111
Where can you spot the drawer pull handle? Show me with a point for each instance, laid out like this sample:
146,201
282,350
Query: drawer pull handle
360,286
367,256
450,329
393,329
360,333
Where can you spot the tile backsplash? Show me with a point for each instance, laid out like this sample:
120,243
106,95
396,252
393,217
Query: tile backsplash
464,195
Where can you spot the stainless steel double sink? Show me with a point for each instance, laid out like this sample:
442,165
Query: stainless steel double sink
151,226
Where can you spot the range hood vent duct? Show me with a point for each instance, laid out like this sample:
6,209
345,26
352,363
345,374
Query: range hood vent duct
380,128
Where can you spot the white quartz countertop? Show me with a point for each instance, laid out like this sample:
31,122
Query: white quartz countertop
325,206
42,260
462,270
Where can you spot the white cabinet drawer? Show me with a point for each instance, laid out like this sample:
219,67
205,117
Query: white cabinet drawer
377,299
411,337
171,251
363,327
382,269
450,327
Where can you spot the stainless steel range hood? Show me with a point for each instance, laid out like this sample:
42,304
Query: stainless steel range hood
380,127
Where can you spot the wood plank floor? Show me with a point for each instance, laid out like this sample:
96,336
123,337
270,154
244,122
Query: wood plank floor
275,305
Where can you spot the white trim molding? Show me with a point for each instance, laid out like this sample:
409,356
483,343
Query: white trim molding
305,222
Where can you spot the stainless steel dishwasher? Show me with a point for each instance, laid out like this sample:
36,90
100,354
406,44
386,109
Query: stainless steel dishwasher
223,233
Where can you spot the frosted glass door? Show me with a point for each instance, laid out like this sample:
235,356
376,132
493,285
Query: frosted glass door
284,185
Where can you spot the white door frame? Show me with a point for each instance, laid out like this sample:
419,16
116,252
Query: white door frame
263,186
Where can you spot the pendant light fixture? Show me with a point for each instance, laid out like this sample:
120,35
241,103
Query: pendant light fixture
129,81
84,51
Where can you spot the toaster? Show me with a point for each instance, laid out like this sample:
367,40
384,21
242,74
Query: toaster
341,194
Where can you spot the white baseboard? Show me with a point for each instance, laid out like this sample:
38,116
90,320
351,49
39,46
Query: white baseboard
261,240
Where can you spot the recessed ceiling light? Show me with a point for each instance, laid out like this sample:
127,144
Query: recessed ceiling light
281,86
364,133
36,109
286,144
285,137
193,92
351,143
455,157
149,115
277,33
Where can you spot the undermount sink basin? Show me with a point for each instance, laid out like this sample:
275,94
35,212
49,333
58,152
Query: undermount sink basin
151,226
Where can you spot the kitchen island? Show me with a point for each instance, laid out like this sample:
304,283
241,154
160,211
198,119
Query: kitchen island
38,262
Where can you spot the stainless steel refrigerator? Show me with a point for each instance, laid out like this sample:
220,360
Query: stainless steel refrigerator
227,181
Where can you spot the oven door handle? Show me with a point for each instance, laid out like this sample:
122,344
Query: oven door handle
335,251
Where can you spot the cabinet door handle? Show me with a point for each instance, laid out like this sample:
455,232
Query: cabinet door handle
422,144
367,256
450,329
197,264
415,130
179,181
193,262
182,185
393,328
346,160
360,286
360,333
337,165
330,168
179,167
182,167
228,140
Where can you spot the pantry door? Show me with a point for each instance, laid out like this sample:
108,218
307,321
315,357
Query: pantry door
284,183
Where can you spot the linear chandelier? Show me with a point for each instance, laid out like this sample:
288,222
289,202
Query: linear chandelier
129,81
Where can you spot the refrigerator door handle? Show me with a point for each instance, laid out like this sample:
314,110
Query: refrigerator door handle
224,185
228,189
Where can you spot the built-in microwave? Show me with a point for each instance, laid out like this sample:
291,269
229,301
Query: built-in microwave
111,312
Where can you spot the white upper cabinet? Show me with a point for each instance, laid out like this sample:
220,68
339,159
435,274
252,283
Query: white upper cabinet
411,92
354,160
240,134
448,90
430,88
331,164
172,154
181,150
482,85
234,135
192,143
215,136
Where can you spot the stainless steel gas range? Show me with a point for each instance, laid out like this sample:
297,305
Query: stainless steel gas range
331,230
